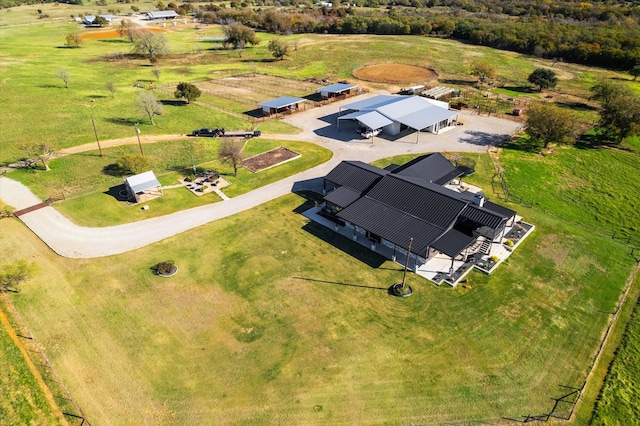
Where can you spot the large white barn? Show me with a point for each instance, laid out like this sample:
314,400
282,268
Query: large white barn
393,114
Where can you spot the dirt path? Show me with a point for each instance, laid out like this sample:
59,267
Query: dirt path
118,142
36,374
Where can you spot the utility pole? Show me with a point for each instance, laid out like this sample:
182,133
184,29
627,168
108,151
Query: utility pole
406,266
138,135
95,132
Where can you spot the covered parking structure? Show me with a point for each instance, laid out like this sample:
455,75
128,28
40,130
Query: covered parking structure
143,186
397,113
282,105
338,90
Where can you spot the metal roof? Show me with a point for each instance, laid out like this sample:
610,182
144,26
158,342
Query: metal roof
430,168
412,111
501,210
420,201
356,175
482,216
143,181
281,102
343,196
372,119
452,242
337,88
438,91
391,224
162,14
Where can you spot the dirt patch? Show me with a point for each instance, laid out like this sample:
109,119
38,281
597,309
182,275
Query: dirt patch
105,35
269,159
395,73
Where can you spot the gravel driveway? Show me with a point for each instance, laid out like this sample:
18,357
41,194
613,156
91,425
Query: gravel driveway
318,124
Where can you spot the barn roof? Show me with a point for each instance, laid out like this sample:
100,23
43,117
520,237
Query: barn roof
412,111
163,14
337,88
143,181
372,119
281,102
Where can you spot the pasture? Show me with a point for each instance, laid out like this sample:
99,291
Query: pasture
272,319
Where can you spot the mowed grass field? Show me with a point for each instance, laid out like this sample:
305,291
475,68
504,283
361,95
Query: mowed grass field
257,327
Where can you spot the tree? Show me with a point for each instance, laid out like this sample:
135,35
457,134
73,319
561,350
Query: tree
111,88
63,75
132,163
544,78
128,29
546,123
231,152
620,117
73,40
239,35
150,44
156,73
13,274
100,21
188,91
607,90
41,151
150,105
635,72
483,70
278,48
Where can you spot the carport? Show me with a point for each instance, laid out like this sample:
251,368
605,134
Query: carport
372,119
338,90
282,105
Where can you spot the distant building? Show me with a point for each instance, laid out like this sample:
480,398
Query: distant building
88,19
162,15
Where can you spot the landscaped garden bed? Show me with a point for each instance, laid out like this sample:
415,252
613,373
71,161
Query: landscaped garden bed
269,159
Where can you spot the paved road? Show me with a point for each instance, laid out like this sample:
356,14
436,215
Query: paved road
70,240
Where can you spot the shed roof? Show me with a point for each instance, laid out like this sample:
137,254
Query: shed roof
281,102
372,119
143,181
337,88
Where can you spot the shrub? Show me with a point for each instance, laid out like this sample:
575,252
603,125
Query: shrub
132,163
494,259
167,267
509,243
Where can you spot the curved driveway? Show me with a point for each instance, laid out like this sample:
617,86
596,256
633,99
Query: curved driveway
70,240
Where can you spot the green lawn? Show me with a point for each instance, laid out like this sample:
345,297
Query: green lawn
618,402
23,401
91,183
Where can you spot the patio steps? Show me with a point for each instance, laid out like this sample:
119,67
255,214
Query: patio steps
485,247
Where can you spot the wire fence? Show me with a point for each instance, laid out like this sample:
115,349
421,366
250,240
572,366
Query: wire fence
63,398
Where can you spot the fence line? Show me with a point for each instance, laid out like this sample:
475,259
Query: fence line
26,334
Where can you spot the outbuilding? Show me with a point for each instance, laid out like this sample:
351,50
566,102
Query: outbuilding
338,90
162,15
143,186
397,113
282,105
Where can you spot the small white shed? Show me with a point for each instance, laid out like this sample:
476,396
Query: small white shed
141,185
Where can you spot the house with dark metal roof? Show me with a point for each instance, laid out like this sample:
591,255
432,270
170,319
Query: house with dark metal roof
414,202
393,114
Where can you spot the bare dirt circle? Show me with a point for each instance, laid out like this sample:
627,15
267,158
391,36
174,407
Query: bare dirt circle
395,73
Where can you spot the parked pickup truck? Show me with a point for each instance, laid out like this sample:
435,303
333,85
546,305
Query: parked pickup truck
208,133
